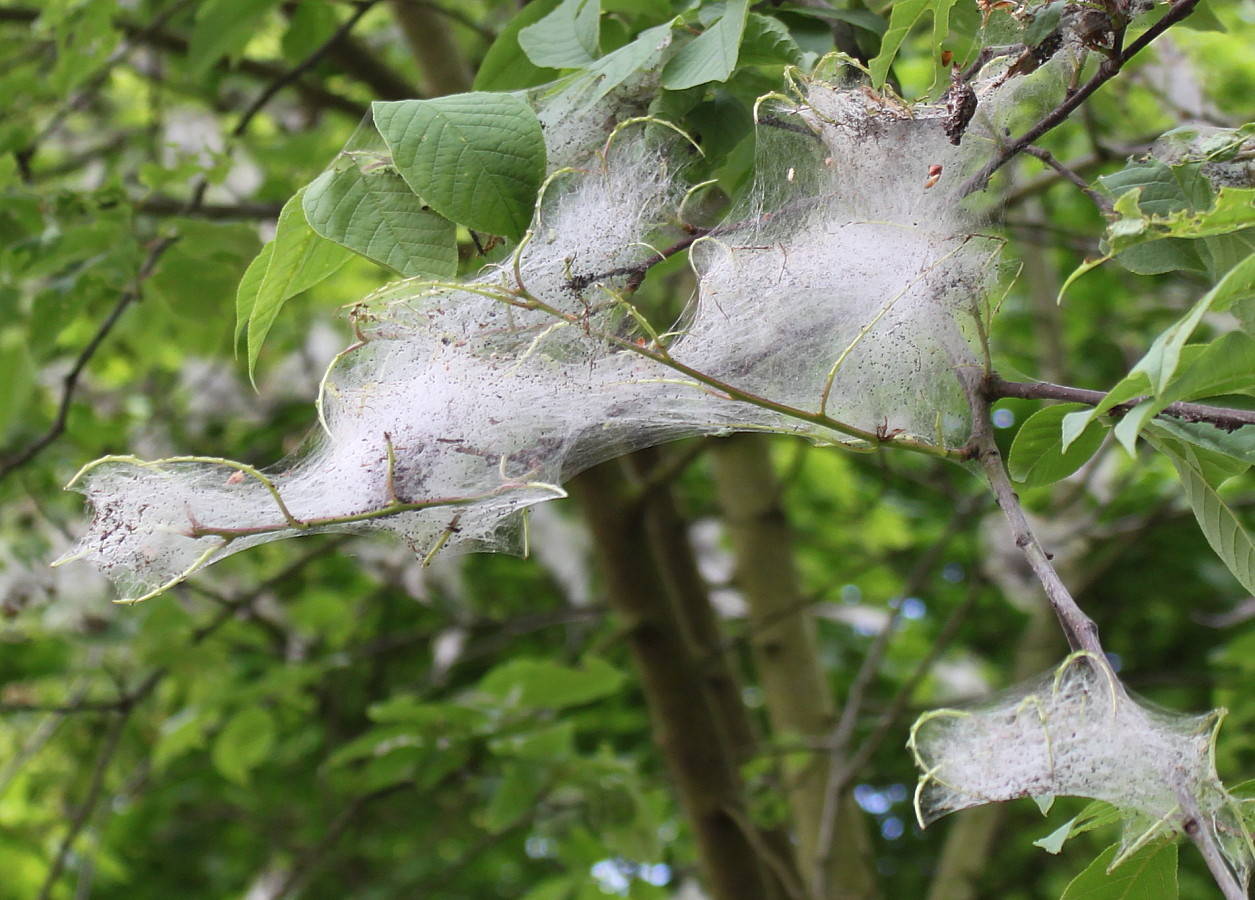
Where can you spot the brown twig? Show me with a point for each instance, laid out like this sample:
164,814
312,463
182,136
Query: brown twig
884,724
1224,418
293,74
69,384
1103,203
839,741
1080,629
108,749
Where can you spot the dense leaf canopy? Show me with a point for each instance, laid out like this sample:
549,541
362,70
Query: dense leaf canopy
927,231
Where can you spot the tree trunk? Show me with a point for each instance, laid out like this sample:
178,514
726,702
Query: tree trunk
795,688
683,717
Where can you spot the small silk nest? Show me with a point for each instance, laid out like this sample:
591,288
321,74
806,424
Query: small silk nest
1077,732
836,302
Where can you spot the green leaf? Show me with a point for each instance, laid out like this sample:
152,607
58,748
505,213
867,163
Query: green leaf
1053,842
223,28
1154,371
243,744
712,55
1148,874
1239,445
642,54
179,734
552,743
767,42
1226,366
903,18
297,259
558,888
567,38
202,268
17,374
1037,455
545,684
1169,219
310,25
250,284
1095,815
1160,362
477,159
514,796
1162,189
1219,523
859,18
505,65
375,213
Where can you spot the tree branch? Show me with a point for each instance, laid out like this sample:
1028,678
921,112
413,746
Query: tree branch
1224,418
1107,69
835,852
1103,203
293,74
1081,632
707,782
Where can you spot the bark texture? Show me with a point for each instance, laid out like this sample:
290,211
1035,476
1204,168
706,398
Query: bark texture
684,721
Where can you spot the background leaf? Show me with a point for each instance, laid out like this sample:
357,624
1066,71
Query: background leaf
712,55
903,18
243,744
1222,527
566,38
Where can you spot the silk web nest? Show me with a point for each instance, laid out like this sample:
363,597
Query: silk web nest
839,298
1077,732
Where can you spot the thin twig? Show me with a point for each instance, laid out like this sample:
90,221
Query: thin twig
781,867
301,68
160,39
195,202
97,80
108,748
1103,203
1224,418
1081,632
69,384
169,206
884,724
1199,830
672,467
842,733
316,855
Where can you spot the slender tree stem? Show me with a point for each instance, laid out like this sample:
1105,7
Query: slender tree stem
1103,203
1199,830
1224,418
1081,632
